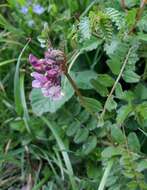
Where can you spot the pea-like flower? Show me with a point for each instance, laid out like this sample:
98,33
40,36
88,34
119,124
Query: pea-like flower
48,73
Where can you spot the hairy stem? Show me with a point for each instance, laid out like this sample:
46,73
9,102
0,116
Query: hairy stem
116,82
75,87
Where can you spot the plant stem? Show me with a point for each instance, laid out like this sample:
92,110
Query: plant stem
116,82
123,5
78,93
75,87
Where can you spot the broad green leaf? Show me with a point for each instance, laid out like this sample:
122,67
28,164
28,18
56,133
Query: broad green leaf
123,113
118,91
41,104
83,116
141,91
72,128
133,142
111,104
111,151
114,64
141,110
130,76
89,145
111,48
81,135
105,80
92,123
102,90
117,134
92,104
142,165
83,78
128,95
90,44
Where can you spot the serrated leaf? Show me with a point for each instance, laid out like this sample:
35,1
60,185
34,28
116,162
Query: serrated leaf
90,145
84,27
133,142
123,113
81,135
117,134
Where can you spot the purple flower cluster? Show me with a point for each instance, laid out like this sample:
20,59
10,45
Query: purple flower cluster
48,73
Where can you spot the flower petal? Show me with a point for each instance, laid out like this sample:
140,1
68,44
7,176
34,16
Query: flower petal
36,63
36,84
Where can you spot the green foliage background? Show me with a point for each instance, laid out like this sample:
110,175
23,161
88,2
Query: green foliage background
99,144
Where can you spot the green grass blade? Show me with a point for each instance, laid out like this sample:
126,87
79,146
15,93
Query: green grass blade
2,63
60,143
17,97
105,176
24,105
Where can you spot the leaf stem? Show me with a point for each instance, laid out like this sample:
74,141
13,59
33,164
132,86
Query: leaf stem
116,82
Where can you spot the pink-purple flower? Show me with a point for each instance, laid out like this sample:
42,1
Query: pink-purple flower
48,73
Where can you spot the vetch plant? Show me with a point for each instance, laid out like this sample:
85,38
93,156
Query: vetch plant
52,139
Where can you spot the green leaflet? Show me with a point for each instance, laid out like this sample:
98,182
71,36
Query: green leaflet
123,113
